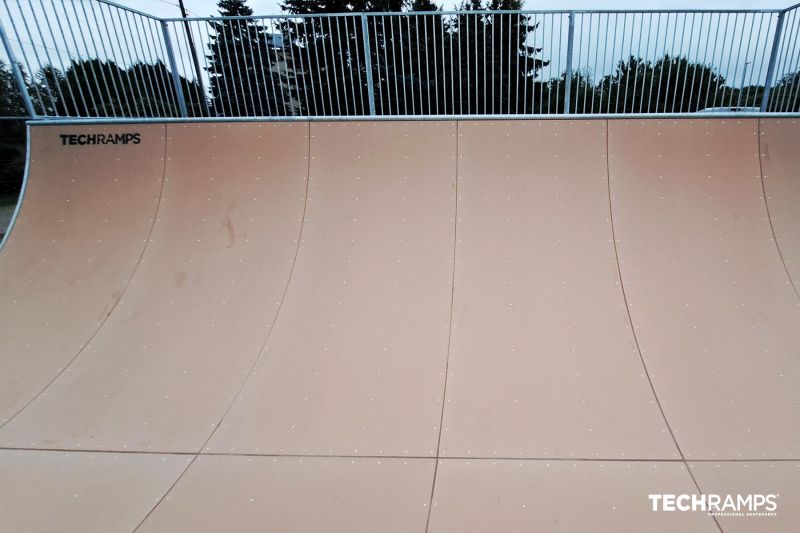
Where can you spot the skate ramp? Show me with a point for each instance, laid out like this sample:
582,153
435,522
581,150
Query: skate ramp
422,326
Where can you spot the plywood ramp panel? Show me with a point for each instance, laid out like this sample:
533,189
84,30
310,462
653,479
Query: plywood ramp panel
780,164
543,362
82,492
297,494
559,496
355,364
716,321
780,478
84,221
168,363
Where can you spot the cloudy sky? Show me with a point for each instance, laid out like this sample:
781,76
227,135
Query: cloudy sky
169,8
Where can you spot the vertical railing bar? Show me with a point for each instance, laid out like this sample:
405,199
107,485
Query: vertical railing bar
791,63
469,64
394,63
18,76
155,59
80,61
103,68
356,42
272,54
686,74
524,76
236,78
655,60
643,62
795,86
330,66
402,60
627,60
310,66
710,68
613,52
568,71
242,64
175,76
410,61
349,61
452,73
784,59
112,58
508,62
485,65
427,62
739,60
616,63
677,59
221,37
259,34
794,72
134,64
698,63
457,30
182,64
671,60
721,59
369,72
646,60
73,65
143,70
730,57
35,55
130,68
88,52
252,30
293,71
341,63
435,59
587,79
419,63
121,68
205,90
157,34
386,65
755,55
597,57
50,62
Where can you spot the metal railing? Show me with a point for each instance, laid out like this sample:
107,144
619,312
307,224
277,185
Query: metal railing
96,59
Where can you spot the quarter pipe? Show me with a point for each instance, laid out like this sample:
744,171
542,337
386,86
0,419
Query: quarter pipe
412,326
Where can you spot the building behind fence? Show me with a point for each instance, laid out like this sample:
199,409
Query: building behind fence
96,59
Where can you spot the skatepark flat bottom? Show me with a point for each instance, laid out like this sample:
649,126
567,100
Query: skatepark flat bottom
427,326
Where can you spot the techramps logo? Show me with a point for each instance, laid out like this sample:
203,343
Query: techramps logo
91,139
733,505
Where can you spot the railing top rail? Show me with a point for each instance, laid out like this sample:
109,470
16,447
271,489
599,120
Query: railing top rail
792,7
129,9
479,12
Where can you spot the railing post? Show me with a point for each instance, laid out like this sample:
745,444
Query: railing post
23,88
176,78
368,64
773,58
568,72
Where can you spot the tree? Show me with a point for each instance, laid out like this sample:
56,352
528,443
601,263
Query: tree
248,70
671,84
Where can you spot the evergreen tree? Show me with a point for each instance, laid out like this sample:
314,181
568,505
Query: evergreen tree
249,69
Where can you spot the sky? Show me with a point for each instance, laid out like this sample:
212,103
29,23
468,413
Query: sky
169,8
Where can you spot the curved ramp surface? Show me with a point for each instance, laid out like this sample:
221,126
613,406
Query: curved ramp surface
716,321
780,163
86,216
163,369
412,327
